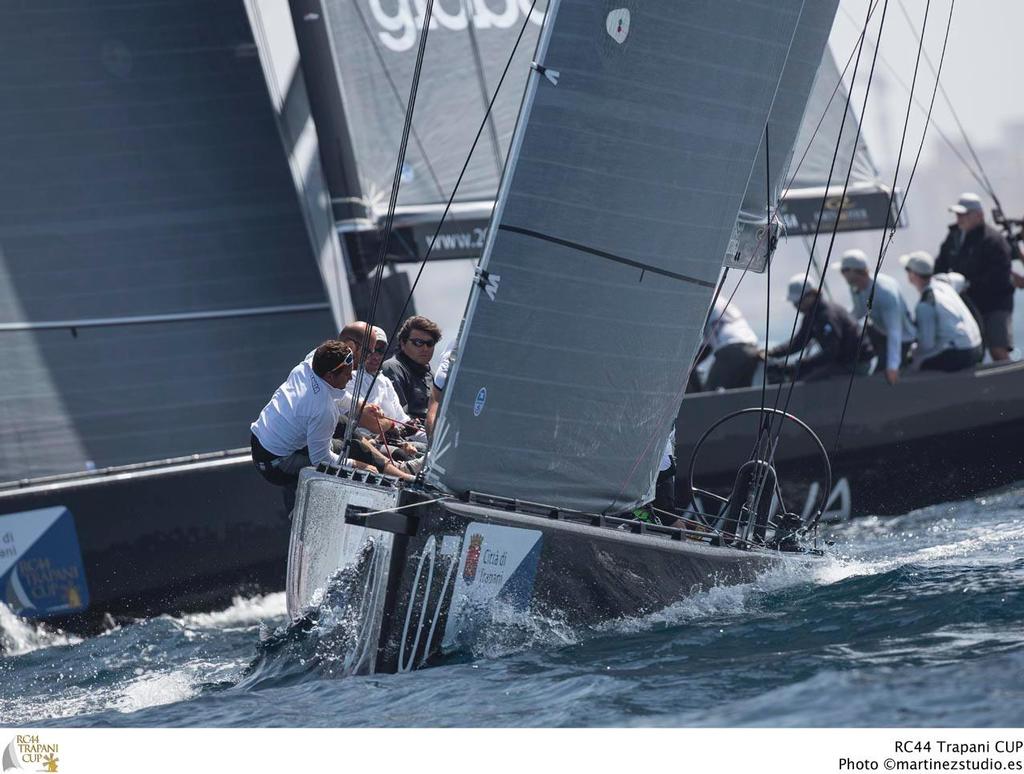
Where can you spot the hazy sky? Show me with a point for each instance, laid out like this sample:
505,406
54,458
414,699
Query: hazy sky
979,72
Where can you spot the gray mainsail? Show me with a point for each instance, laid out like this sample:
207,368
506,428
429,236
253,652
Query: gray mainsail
790,111
637,139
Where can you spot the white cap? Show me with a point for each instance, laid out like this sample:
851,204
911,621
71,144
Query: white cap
919,262
968,202
797,288
379,335
854,259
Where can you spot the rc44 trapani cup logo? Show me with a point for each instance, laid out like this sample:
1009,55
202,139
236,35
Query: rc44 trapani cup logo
30,752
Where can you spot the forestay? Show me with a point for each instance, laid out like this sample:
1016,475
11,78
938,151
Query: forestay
627,172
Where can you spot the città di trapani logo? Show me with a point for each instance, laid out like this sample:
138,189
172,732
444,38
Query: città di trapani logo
30,752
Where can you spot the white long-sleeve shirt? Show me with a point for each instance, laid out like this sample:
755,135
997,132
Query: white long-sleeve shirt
943,322
890,313
303,412
383,394
726,326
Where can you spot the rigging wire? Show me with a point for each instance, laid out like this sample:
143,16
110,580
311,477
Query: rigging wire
773,444
810,143
987,184
482,82
884,245
389,221
398,97
894,74
437,230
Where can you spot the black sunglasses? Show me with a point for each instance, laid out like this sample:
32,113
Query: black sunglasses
423,342
380,349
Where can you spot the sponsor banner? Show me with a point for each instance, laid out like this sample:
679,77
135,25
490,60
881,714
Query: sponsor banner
41,569
862,211
497,564
595,751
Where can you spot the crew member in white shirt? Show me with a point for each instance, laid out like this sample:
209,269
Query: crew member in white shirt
729,336
948,337
380,389
296,428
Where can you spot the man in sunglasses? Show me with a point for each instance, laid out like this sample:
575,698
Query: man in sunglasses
409,369
296,428
376,388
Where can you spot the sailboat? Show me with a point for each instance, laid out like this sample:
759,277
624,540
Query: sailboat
362,57
636,143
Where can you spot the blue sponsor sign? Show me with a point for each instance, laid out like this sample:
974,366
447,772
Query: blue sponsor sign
41,569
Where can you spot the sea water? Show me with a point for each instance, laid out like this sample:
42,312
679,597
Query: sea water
914,620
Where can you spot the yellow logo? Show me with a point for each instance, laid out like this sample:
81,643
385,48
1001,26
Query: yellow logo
28,752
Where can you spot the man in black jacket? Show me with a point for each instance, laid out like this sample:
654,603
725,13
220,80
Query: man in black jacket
982,254
832,328
409,370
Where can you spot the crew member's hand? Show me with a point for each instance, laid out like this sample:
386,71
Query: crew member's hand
892,375
1018,280
374,409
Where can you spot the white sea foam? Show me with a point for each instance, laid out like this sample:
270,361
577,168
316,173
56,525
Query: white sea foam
19,636
723,601
243,612
156,688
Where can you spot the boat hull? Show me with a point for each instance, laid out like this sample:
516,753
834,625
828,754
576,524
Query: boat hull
452,572
928,439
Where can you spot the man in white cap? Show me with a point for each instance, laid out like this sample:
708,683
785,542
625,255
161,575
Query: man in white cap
982,254
948,338
831,327
890,327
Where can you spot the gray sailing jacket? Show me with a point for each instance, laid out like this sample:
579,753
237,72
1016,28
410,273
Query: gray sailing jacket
943,322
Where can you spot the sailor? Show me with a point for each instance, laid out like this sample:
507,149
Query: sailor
948,337
437,389
834,330
982,254
373,386
296,428
734,344
889,324
409,370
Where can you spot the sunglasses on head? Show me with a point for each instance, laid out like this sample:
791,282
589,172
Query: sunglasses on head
423,342
349,360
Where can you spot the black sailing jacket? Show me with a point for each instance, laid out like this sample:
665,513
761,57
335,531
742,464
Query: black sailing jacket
983,257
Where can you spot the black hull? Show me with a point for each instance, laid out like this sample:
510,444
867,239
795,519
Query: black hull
441,576
189,535
929,439
167,538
